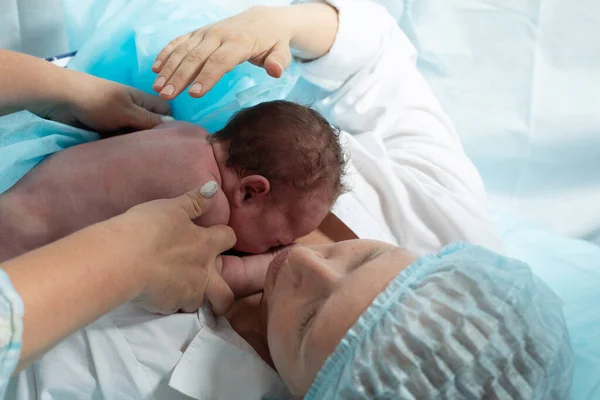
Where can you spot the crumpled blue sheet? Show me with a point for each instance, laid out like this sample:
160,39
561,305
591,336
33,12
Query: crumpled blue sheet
26,139
129,35
571,268
121,44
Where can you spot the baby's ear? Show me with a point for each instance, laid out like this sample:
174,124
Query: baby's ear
252,188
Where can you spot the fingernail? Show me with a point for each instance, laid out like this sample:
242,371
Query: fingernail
160,81
166,118
209,189
196,88
156,65
169,90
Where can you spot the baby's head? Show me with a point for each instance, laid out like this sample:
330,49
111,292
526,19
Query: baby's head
281,165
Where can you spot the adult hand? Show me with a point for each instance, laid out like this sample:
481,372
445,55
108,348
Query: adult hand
182,262
259,35
74,97
107,106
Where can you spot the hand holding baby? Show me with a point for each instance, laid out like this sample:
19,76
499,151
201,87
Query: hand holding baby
182,261
105,106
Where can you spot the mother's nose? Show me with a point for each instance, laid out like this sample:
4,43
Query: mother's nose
312,268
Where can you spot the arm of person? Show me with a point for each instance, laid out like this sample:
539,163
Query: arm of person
74,97
260,35
407,162
30,83
153,253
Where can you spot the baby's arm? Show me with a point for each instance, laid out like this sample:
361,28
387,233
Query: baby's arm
246,275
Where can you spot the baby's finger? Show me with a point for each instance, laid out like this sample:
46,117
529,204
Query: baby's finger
190,67
223,60
165,53
175,58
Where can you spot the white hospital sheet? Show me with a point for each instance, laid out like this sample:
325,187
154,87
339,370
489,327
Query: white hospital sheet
131,354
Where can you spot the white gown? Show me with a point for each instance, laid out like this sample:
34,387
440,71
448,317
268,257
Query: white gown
412,186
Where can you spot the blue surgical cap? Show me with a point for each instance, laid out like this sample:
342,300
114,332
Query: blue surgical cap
465,324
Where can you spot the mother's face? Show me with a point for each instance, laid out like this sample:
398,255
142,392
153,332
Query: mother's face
314,294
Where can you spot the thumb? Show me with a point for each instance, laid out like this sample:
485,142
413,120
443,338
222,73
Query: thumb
143,119
197,202
278,59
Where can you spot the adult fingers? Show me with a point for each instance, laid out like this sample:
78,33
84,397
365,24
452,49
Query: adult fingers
142,119
147,111
165,53
221,238
218,293
195,302
173,62
279,58
150,102
223,60
196,202
189,67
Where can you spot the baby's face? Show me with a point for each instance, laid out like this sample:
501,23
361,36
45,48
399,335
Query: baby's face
276,225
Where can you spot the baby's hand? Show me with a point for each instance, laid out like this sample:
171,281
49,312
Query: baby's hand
246,275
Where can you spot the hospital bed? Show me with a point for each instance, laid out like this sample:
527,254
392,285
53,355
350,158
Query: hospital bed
520,80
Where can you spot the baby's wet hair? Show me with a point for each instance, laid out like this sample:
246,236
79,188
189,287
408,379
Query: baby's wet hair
291,145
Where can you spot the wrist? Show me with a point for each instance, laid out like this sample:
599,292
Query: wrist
70,86
313,29
55,94
55,90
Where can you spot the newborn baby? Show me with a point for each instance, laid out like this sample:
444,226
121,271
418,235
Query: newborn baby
279,167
